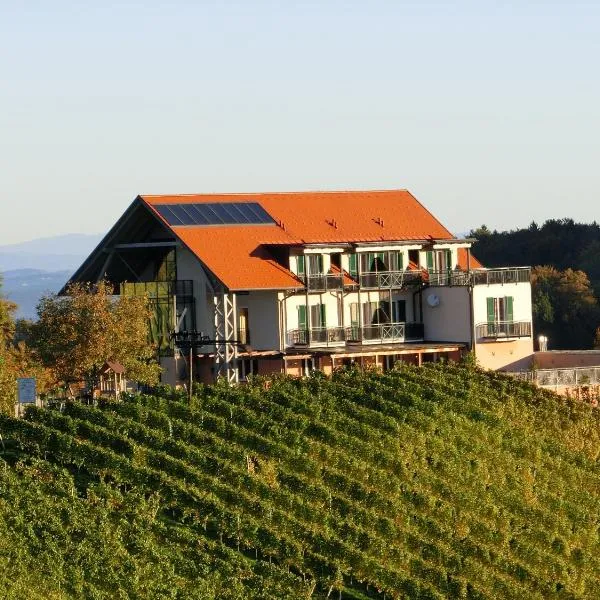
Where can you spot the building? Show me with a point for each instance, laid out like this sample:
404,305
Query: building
289,282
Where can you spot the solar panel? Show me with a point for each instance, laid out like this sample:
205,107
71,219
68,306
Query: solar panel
214,213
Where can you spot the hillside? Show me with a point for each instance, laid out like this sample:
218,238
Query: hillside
432,482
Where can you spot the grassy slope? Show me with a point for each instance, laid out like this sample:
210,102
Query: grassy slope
421,483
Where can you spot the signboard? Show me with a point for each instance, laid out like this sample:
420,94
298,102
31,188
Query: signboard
26,390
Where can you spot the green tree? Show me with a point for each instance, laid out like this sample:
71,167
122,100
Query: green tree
564,307
77,333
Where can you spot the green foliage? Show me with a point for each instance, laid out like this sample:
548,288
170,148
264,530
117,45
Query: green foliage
564,307
436,482
76,334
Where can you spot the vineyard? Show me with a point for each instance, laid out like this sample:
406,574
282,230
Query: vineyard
421,483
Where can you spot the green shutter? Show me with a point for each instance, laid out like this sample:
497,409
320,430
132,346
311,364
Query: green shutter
400,261
320,263
508,302
302,317
301,267
449,260
490,310
429,258
353,264
323,321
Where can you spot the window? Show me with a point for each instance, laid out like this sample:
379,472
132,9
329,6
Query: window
353,265
399,311
396,261
317,315
301,265
374,262
315,264
354,318
243,332
438,260
302,317
247,367
500,309
376,313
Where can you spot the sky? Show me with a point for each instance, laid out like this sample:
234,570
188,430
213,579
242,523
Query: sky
486,111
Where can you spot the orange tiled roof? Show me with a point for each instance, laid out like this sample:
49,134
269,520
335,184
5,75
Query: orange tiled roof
237,255
307,216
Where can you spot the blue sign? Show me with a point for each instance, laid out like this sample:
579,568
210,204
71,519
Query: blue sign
26,390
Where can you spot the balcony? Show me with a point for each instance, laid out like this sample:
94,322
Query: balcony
505,275
389,279
320,336
478,276
336,336
385,332
503,329
448,278
324,282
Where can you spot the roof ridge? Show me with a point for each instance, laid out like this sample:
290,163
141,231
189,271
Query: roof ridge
280,193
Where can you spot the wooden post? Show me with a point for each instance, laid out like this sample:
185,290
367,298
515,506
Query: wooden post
191,372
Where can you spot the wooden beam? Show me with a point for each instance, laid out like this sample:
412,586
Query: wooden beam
136,245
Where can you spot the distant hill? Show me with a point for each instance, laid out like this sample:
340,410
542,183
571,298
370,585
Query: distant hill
431,482
31,269
61,252
26,286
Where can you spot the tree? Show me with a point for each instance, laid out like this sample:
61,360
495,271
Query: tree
7,376
564,307
77,333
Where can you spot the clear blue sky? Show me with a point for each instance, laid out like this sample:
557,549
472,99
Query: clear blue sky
488,113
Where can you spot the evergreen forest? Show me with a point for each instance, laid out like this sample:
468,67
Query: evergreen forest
420,483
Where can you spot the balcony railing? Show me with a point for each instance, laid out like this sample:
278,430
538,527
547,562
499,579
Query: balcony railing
324,282
316,335
384,332
578,376
448,277
508,275
503,329
390,279
478,276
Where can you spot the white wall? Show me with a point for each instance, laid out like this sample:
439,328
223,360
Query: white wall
189,267
263,318
511,354
450,320
521,293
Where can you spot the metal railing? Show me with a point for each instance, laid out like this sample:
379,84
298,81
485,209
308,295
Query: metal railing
478,276
448,277
390,279
394,332
383,332
503,329
576,376
504,275
324,282
316,335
